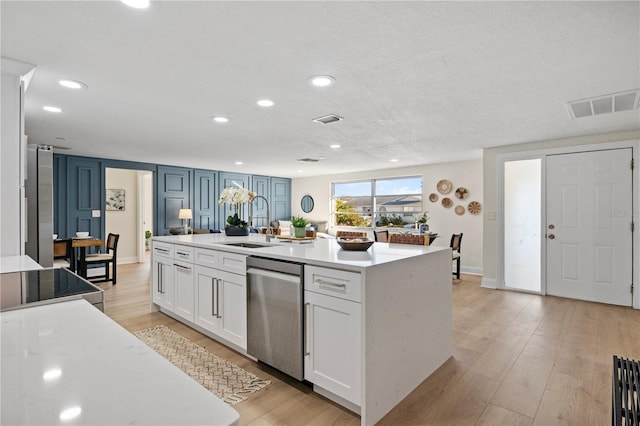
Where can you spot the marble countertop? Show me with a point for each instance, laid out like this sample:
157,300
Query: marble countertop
68,363
17,263
321,252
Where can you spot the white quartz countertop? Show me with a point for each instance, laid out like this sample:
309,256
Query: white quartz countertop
17,263
69,358
322,252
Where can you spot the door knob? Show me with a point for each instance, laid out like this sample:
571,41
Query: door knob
551,236
551,226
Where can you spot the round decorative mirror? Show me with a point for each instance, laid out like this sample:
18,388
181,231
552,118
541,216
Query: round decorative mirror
306,203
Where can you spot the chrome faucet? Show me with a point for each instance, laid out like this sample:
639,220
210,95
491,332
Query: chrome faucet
269,229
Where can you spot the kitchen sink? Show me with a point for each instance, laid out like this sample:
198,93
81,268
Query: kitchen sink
247,244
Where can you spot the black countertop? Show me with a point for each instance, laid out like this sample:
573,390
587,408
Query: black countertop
51,285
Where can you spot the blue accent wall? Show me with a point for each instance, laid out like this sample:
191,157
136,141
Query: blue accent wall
79,189
174,193
205,203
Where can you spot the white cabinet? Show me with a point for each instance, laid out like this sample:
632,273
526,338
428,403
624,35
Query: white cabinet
162,280
333,347
184,276
221,304
233,308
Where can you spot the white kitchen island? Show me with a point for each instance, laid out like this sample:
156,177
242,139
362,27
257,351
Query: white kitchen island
68,363
377,323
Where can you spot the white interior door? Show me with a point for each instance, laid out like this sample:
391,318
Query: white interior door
589,216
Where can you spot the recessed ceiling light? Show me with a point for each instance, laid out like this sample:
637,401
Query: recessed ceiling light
265,103
72,84
300,171
238,163
137,4
51,109
394,160
334,146
220,119
321,80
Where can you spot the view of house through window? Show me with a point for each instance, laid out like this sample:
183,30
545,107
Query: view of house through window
377,202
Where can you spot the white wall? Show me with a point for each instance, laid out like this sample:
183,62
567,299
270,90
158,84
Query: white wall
124,222
490,243
445,222
12,153
147,215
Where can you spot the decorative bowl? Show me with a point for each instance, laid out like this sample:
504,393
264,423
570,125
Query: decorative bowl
354,243
175,231
82,234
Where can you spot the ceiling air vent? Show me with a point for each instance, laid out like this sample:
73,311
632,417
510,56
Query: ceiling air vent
615,102
331,118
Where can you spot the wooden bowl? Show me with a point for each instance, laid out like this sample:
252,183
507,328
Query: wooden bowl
354,243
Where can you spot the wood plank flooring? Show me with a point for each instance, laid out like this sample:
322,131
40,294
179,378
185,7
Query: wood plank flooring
519,359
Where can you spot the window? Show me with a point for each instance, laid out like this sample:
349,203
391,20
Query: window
377,202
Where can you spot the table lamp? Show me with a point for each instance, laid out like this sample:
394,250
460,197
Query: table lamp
185,215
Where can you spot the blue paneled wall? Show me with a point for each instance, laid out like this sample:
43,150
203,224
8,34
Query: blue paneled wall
79,195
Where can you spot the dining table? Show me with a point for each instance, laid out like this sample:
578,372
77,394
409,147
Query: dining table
78,263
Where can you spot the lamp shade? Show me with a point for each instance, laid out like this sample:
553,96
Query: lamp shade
185,214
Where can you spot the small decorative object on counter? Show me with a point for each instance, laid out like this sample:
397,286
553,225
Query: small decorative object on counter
234,197
147,236
300,226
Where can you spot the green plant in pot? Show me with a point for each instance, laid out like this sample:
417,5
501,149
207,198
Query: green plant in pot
299,226
147,235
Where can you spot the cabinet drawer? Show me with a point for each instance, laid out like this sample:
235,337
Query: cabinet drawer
163,249
332,282
232,262
183,253
206,257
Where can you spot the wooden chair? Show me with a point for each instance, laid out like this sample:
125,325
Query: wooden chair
418,240
354,234
381,236
456,242
62,253
110,257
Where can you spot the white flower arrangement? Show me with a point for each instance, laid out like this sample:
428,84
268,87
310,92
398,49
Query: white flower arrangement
236,196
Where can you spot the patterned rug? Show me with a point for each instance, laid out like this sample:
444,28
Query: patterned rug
226,380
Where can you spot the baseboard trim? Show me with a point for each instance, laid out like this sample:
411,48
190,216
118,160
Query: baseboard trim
491,283
471,270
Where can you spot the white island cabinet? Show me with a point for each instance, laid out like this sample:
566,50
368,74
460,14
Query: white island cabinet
377,322
203,288
333,332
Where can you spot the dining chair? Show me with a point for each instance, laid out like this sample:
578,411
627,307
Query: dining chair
62,253
351,234
109,257
456,242
418,240
381,236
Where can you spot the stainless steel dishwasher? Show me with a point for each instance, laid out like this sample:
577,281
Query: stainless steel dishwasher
274,314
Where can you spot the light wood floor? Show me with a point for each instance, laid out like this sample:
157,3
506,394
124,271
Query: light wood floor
518,359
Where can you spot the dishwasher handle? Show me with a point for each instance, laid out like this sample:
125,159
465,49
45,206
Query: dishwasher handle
272,274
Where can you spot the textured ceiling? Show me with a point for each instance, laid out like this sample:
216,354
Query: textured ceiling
421,82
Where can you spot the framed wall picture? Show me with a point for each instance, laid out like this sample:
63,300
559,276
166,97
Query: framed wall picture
115,199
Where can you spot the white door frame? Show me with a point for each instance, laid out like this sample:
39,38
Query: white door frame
543,153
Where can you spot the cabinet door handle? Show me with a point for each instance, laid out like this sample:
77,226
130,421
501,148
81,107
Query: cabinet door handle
323,283
179,253
218,298
213,297
182,267
307,321
161,250
160,278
